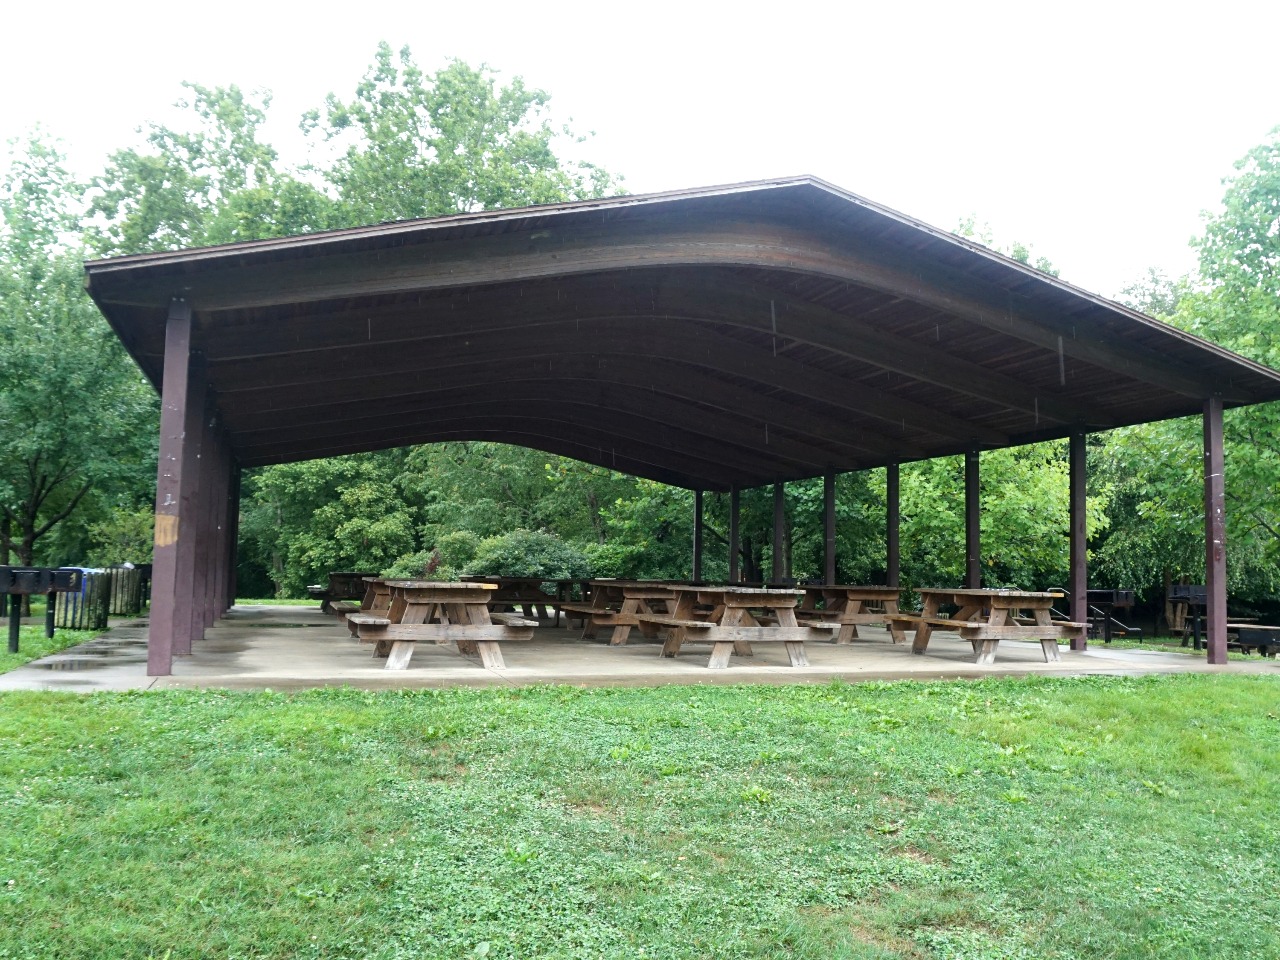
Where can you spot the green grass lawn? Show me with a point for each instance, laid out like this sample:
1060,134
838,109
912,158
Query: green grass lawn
1036,818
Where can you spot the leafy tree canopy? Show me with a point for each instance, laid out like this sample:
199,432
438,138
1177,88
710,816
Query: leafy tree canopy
418,146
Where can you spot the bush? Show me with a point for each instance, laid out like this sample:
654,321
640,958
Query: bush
423,565
457,549
529,553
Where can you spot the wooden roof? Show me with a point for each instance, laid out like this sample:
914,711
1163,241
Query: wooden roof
727,336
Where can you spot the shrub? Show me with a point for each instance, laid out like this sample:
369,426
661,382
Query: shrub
457,549
529,553
423,565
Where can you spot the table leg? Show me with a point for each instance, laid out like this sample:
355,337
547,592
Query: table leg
1047,644
720,652
921,642
896,633
401,652
739,617
629,608
795,648
847,610
986,650
683,610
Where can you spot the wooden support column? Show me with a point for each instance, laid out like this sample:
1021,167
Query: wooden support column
233,533
1215,534
217,517
735,538
779,532
972,522
1079,575
829,528
892,523
697,536
218,547
170,584
193,544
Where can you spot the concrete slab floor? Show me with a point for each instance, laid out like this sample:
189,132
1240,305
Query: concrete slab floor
289,647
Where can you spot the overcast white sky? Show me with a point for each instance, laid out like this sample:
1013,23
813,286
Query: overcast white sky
1096,132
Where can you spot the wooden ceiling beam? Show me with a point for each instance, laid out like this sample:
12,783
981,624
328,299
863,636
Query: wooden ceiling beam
676,381
708,427
602,448
594,246
734,450
666,338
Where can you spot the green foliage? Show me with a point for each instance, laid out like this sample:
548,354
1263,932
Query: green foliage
125,535
216,184
458,549
971,229
1156,469
451,142
1024,524
75,416
302,520
529,553
939,820
1240,249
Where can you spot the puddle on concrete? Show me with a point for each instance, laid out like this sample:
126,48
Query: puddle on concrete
289,626
86,663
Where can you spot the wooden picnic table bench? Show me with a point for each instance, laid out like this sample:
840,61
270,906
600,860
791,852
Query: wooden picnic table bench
1256,636
526,595
729,618
439,613
847,605
619,604
985,617
343,585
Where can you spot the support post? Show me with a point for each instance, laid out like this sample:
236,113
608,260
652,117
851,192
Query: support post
892,522
233,534
218,546
735,539
1079,585
697,536
1215,533
173,491
972,522
779,532
829,528
192,543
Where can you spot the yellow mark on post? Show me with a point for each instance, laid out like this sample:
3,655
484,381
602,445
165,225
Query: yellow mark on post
166,530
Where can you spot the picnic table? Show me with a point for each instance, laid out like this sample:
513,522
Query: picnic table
985,617
1256,636
618,604
343,585
731,619
527,595
847,605
439,612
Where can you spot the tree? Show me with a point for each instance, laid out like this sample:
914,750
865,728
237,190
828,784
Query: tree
1155,469
216,184
419,146
74,412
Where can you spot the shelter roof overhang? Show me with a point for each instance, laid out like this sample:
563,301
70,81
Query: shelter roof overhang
726,336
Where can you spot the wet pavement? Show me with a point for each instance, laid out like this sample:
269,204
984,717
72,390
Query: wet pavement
288,647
